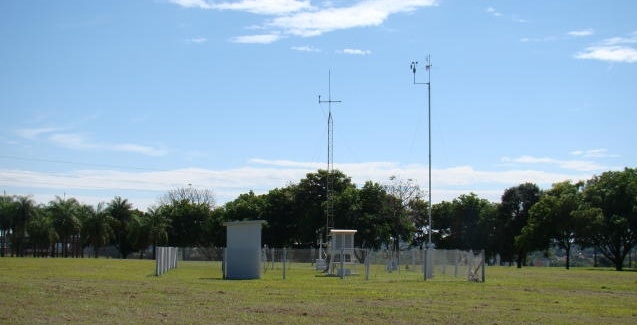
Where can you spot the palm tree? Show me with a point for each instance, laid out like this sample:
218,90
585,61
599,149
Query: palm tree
65,220
6,215
25,209
41,233
97,230
122,212
157,224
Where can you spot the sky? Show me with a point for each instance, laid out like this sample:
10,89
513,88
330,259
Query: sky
134,98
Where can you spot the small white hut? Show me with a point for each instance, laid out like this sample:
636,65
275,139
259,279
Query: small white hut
342,251
242,256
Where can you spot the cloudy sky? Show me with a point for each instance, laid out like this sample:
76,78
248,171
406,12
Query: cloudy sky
134,98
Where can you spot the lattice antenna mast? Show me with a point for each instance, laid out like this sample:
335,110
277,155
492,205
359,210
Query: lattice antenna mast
414,64
329,195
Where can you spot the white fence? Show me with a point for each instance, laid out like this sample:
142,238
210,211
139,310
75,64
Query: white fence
166,260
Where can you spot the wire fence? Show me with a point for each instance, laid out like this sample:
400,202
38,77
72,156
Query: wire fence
442,265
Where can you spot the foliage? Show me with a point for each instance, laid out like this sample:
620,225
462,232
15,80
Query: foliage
67,224
599,213
512,216
97,230
552,219
463,223
608,217
121,212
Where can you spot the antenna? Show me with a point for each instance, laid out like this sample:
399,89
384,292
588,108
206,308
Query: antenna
329,195
413,67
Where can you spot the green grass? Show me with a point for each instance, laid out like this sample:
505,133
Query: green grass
107,291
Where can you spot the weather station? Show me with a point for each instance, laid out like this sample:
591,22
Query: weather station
429,246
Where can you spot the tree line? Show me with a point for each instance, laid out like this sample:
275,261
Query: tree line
600,213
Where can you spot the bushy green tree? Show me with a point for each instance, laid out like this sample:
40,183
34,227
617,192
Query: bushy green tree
513,213
608,217
552,220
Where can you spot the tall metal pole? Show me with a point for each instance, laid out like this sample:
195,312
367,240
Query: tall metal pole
428,83
329,204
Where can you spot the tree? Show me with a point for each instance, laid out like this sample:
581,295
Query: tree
310,200
608,217
245,207
138,232
186,222
192,194
552,219
279,211
66,223
400,195
121,212
512,217
97,230
157,225
461,223
371,222
24,210
42,234
6,220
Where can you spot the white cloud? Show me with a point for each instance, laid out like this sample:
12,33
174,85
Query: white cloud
75,141
581,33
575,165
256,39
594,153
203,4
493,12
262,7
32,134
136,148
262,175
609,53
71,141
305,49
362,14
615,49
355,52
300,18
197,40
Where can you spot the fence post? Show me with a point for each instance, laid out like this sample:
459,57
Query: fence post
157,254
342,263
367,264
483,264
284,258
424,264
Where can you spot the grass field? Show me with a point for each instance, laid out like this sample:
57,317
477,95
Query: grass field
107,291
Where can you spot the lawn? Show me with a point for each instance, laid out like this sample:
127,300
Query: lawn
109,291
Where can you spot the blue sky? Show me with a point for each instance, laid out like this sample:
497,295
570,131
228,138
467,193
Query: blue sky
134,98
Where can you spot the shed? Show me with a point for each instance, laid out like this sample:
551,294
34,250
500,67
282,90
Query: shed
242,256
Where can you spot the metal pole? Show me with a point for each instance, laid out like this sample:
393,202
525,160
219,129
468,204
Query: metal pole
285,253
329,209
429,113
414,64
